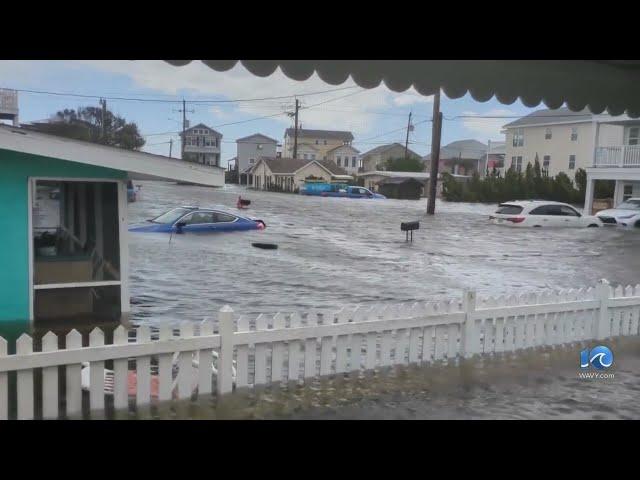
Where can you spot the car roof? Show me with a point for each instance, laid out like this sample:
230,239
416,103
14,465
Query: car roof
530,203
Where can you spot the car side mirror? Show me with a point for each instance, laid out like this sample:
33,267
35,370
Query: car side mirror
179,226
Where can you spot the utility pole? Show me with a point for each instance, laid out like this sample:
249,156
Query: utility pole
436,132
295,131
406,144
170,146
103,102
184,123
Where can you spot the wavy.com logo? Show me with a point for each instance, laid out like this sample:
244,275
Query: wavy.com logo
600,358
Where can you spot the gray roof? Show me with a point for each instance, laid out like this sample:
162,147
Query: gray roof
552,116
202,125
383,148
328,134
472,149
342,146
290,165
256,135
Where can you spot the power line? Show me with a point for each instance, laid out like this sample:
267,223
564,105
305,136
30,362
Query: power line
159,100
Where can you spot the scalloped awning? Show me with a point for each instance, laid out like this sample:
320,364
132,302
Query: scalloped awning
611,85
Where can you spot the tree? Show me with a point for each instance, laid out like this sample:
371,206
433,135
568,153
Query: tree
411,164
87,124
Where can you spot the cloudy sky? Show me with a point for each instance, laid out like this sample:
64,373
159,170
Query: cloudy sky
375,116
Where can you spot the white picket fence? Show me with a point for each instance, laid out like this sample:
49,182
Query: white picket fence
295,348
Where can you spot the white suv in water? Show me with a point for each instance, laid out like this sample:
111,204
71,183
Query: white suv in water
540,213
627,214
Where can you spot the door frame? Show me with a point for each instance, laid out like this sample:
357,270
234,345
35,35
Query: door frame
121,186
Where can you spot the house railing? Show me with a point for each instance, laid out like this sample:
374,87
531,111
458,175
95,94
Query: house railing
618,156
243,353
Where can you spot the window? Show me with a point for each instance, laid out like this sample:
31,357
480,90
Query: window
506,209
633,137
338,161
572,162
197,218
306,156
627,193
547,134
543,210
317,142
568,211
516,163
354,162
252,161
574,134
518,137
325,142
546,160
313,156
206,132
219,217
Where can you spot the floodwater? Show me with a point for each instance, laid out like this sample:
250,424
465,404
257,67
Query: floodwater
336,251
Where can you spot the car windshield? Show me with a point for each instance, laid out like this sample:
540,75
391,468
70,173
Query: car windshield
171,216
631,204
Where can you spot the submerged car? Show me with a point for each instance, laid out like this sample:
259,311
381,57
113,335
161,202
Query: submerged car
626,214
190,219
540,213
338,190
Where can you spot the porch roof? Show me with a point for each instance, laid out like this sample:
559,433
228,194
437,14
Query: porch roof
138,165
599,85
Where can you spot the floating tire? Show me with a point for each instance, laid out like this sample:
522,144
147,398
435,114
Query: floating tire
265,246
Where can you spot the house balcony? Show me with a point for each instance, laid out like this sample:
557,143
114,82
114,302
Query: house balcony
624,156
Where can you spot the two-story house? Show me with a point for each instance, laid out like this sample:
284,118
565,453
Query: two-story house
376,158
249,150
345,156
462,157
314,144
563,140
201,144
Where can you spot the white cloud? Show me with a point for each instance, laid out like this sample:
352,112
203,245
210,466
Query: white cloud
410,98
348,113
487,128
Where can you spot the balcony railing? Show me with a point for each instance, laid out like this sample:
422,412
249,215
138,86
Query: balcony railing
618,156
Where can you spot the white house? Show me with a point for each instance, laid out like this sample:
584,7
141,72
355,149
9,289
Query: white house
615,158
249,151
201,144
563,140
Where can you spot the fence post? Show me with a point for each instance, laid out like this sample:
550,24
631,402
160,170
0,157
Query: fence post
469,333
225,359
603,292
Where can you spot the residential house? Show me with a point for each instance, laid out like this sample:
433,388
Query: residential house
249,150
462,157
290,174
376,158
64,247
615,157
345,156
9,105
374,179
495,156
563,141
201,144
314,144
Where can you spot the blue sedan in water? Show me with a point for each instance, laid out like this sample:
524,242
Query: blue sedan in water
198,220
